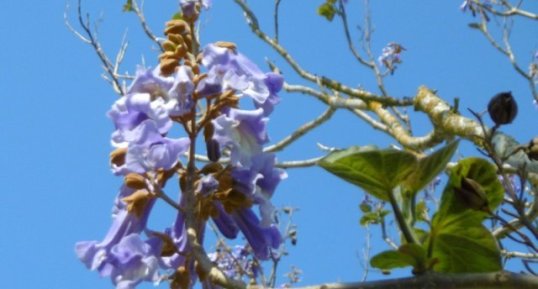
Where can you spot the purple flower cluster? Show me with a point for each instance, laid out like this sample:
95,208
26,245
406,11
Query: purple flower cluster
143,119
243,133
235,263
390,56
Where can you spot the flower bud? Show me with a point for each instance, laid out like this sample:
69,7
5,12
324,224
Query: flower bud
225,44
177,27
168,66
176,39
502,108
135,181
137,201
472,193
532,149
117,157
168,45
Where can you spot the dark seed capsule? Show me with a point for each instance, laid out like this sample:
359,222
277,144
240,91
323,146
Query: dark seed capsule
502,108
472,193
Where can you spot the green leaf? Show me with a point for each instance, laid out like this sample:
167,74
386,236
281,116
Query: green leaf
505,145
406,255
422,235
429,167
375,171
465,248
389,260
327,10
458,240
482,172
365,207
373,217
128,6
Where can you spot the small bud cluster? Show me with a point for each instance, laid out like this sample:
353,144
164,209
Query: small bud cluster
199,92
390,56
477,7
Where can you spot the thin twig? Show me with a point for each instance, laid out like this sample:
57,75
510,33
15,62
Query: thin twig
333,101
299,163
350,44
301,131
91,39
327,82
509,11
140,14
521,255
276,10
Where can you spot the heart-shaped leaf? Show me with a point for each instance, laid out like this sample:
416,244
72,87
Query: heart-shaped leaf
375,171
406,255
429,167
458,240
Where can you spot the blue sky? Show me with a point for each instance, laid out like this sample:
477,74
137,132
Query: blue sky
56,184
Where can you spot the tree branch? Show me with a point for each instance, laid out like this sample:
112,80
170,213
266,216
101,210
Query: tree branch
305,128
496,280
445,119
327,82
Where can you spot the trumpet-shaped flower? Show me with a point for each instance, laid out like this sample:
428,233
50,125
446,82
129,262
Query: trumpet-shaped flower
122,254
243,132
237,72
149,150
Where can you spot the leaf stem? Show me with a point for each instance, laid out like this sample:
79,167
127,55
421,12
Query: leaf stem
404,227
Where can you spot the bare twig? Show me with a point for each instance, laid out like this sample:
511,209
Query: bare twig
299,163
507,51
518,222
352,48
140,14
521,255
91,39
509,10
305,128
326,82
372,122
277,6
333,101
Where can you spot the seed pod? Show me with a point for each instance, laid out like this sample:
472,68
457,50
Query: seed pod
472,193
502,108
532,149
